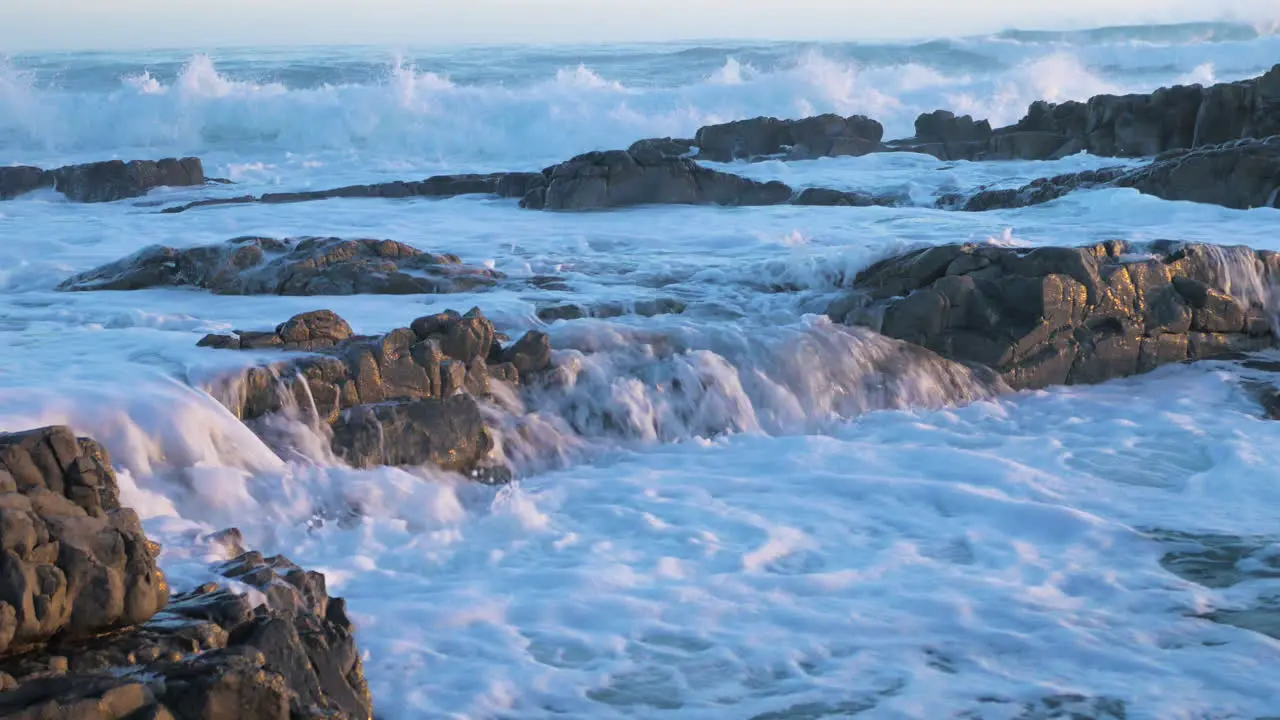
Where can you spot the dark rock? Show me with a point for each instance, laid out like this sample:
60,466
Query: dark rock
942,126
103,181
665,146
841,198
1034,193
643,308
1068,315
813,137
530,354
303,266
73,563
449,433
619,178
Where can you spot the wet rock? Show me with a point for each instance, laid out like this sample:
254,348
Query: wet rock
506,185
103,181
842,198
674,147
643,308
942,126
404,398
1242,174
620,178
302,266
73,563
766,137
1058,315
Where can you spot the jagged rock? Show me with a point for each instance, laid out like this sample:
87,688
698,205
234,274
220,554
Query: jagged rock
619,178
763,137
675,147
211,655
1059,315
643,308
942,126
103,181
507,185
405,398
302,266
1242,174
73,563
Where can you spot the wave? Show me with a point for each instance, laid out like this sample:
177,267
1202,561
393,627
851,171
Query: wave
1170,34
531,107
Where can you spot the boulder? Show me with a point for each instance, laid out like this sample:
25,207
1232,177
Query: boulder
1241,174
942,126
1070,315
408,397
507,185
676,147
843,198
103,181
766,137
73,563
619,178
643,308
300,266
210,655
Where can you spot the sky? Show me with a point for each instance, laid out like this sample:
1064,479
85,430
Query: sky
136,24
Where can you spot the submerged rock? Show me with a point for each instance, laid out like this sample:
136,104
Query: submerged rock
301,266
1058,315
619,178
507,185
1242,174
408,397
103,181
766,137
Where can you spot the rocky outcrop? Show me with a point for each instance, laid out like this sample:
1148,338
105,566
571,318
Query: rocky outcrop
844,198
408,397
676,147
1137,125
300,266
73,563
643,308
102,181
619,178
766,137
1243,174
507,185
1060,315
88,629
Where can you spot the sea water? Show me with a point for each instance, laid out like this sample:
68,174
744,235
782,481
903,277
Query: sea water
739,511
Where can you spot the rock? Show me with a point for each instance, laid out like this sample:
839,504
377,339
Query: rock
812,137
841,198
942,126
643,308
507,185
665,146
1057,315
103,181
73,563
301,266
404,398
619,178
210,656
1241,174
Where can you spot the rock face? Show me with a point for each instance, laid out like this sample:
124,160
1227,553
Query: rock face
1242,174
73,563
103,181
812,137
619,178
1139,125
1059,315
88,629
405,398
301,266
507,185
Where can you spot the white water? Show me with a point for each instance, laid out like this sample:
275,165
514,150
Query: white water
794,526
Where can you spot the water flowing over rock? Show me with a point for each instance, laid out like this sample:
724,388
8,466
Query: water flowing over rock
300,266
507,185
102,181
408,397
1241,174
88,628
1059,315
619,178
1138,125
766,137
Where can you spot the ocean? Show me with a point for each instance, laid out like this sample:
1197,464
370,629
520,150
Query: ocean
730,512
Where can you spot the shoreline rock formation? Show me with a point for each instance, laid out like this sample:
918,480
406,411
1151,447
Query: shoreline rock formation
102,181
298,266
408,397
88,629
1070,315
